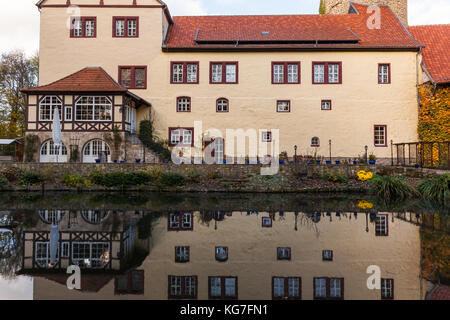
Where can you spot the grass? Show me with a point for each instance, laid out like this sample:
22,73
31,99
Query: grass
437,188
391,188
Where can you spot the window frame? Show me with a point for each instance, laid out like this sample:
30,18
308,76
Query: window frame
326,78
263,138
391,296
217,105
59,104
180,226
389,73
315,145
133,77
326,101
385,233
185,69
130,290
125,28
215,253
183,295
286,288
325,258
385,136
223,288
288,258
190,104
83,26
265,219
75,108
285,65
184,248
328,289
224,71
284,101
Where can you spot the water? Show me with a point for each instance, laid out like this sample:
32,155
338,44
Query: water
217,246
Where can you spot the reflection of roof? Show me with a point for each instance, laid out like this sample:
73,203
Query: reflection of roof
441,293
436,57
291,32
89,282
8,141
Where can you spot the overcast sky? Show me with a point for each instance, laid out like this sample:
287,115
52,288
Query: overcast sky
19,19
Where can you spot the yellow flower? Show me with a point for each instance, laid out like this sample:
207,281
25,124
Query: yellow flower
363,204
364,176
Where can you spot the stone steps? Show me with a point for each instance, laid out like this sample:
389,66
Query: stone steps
136,150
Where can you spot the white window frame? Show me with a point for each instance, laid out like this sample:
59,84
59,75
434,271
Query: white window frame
183,104
319,73
222,105
320,287
278,73
387,288
380,134
381,225
94,102
333,73
216,71
91,261
182,254
283,106
384,71
50,102
266,136
191,73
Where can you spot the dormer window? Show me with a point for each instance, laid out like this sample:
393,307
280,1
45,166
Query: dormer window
125,27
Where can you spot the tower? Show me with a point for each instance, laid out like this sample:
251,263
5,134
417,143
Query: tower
400,7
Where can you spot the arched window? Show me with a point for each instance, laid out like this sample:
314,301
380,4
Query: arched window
94,216
90,108
51,216
94,149
50,153
47,107
315,142
222,105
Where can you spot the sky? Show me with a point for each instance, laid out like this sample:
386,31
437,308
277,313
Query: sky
19,19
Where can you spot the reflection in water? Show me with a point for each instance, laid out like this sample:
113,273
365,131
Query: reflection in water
210,254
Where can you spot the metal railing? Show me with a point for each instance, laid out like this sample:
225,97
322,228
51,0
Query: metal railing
423,154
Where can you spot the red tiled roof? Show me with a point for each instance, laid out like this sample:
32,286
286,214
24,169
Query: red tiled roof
86,80
436,55
441,293
290,31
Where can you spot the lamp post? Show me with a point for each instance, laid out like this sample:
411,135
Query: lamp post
295,154
367,222
329,142
392,153
365,157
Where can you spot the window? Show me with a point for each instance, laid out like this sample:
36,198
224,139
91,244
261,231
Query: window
380,135
387,289
286,288
181,254
267,136
125,27
384,73
327,255
381,225
267,222
326,105
47,107
65,252
183,104
130,283
182,287
89,108
90,255
181,136
329,288
327,72
83,27
285,72
223,72
222,105
184,72
223,288
283,106
284,253
315,142
133,77
180,221
221,254
68,113
42,254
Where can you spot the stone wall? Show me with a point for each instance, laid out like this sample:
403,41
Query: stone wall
400,7
235,171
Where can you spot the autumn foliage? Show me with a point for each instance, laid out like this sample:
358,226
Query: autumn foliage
434,116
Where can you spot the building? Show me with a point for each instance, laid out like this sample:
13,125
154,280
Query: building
263,256
324,81
436,60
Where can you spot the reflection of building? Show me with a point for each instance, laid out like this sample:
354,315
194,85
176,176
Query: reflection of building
232,255
101,243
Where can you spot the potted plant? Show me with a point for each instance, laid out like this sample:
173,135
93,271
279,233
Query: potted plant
138,160
328,162
372,159
97,160
355,161
283,157
338,162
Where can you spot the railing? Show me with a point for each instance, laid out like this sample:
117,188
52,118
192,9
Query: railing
423,154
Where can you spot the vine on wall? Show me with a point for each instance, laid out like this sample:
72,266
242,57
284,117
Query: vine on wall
434,115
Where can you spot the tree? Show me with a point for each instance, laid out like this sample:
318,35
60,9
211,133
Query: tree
17,71
322,8
434,117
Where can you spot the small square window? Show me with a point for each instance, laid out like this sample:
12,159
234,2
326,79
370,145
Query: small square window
326,104
183,104
283,106
222,105
387,289
327,255
315,142
221,254
267,136
267,222
182,254
284,253
384,73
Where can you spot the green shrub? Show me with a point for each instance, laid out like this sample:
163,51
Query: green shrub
12,174
437,188
213,175
391,188
193,177
120,179
96,177
3,182
74,181
30,178
155,173
172,180
335,177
